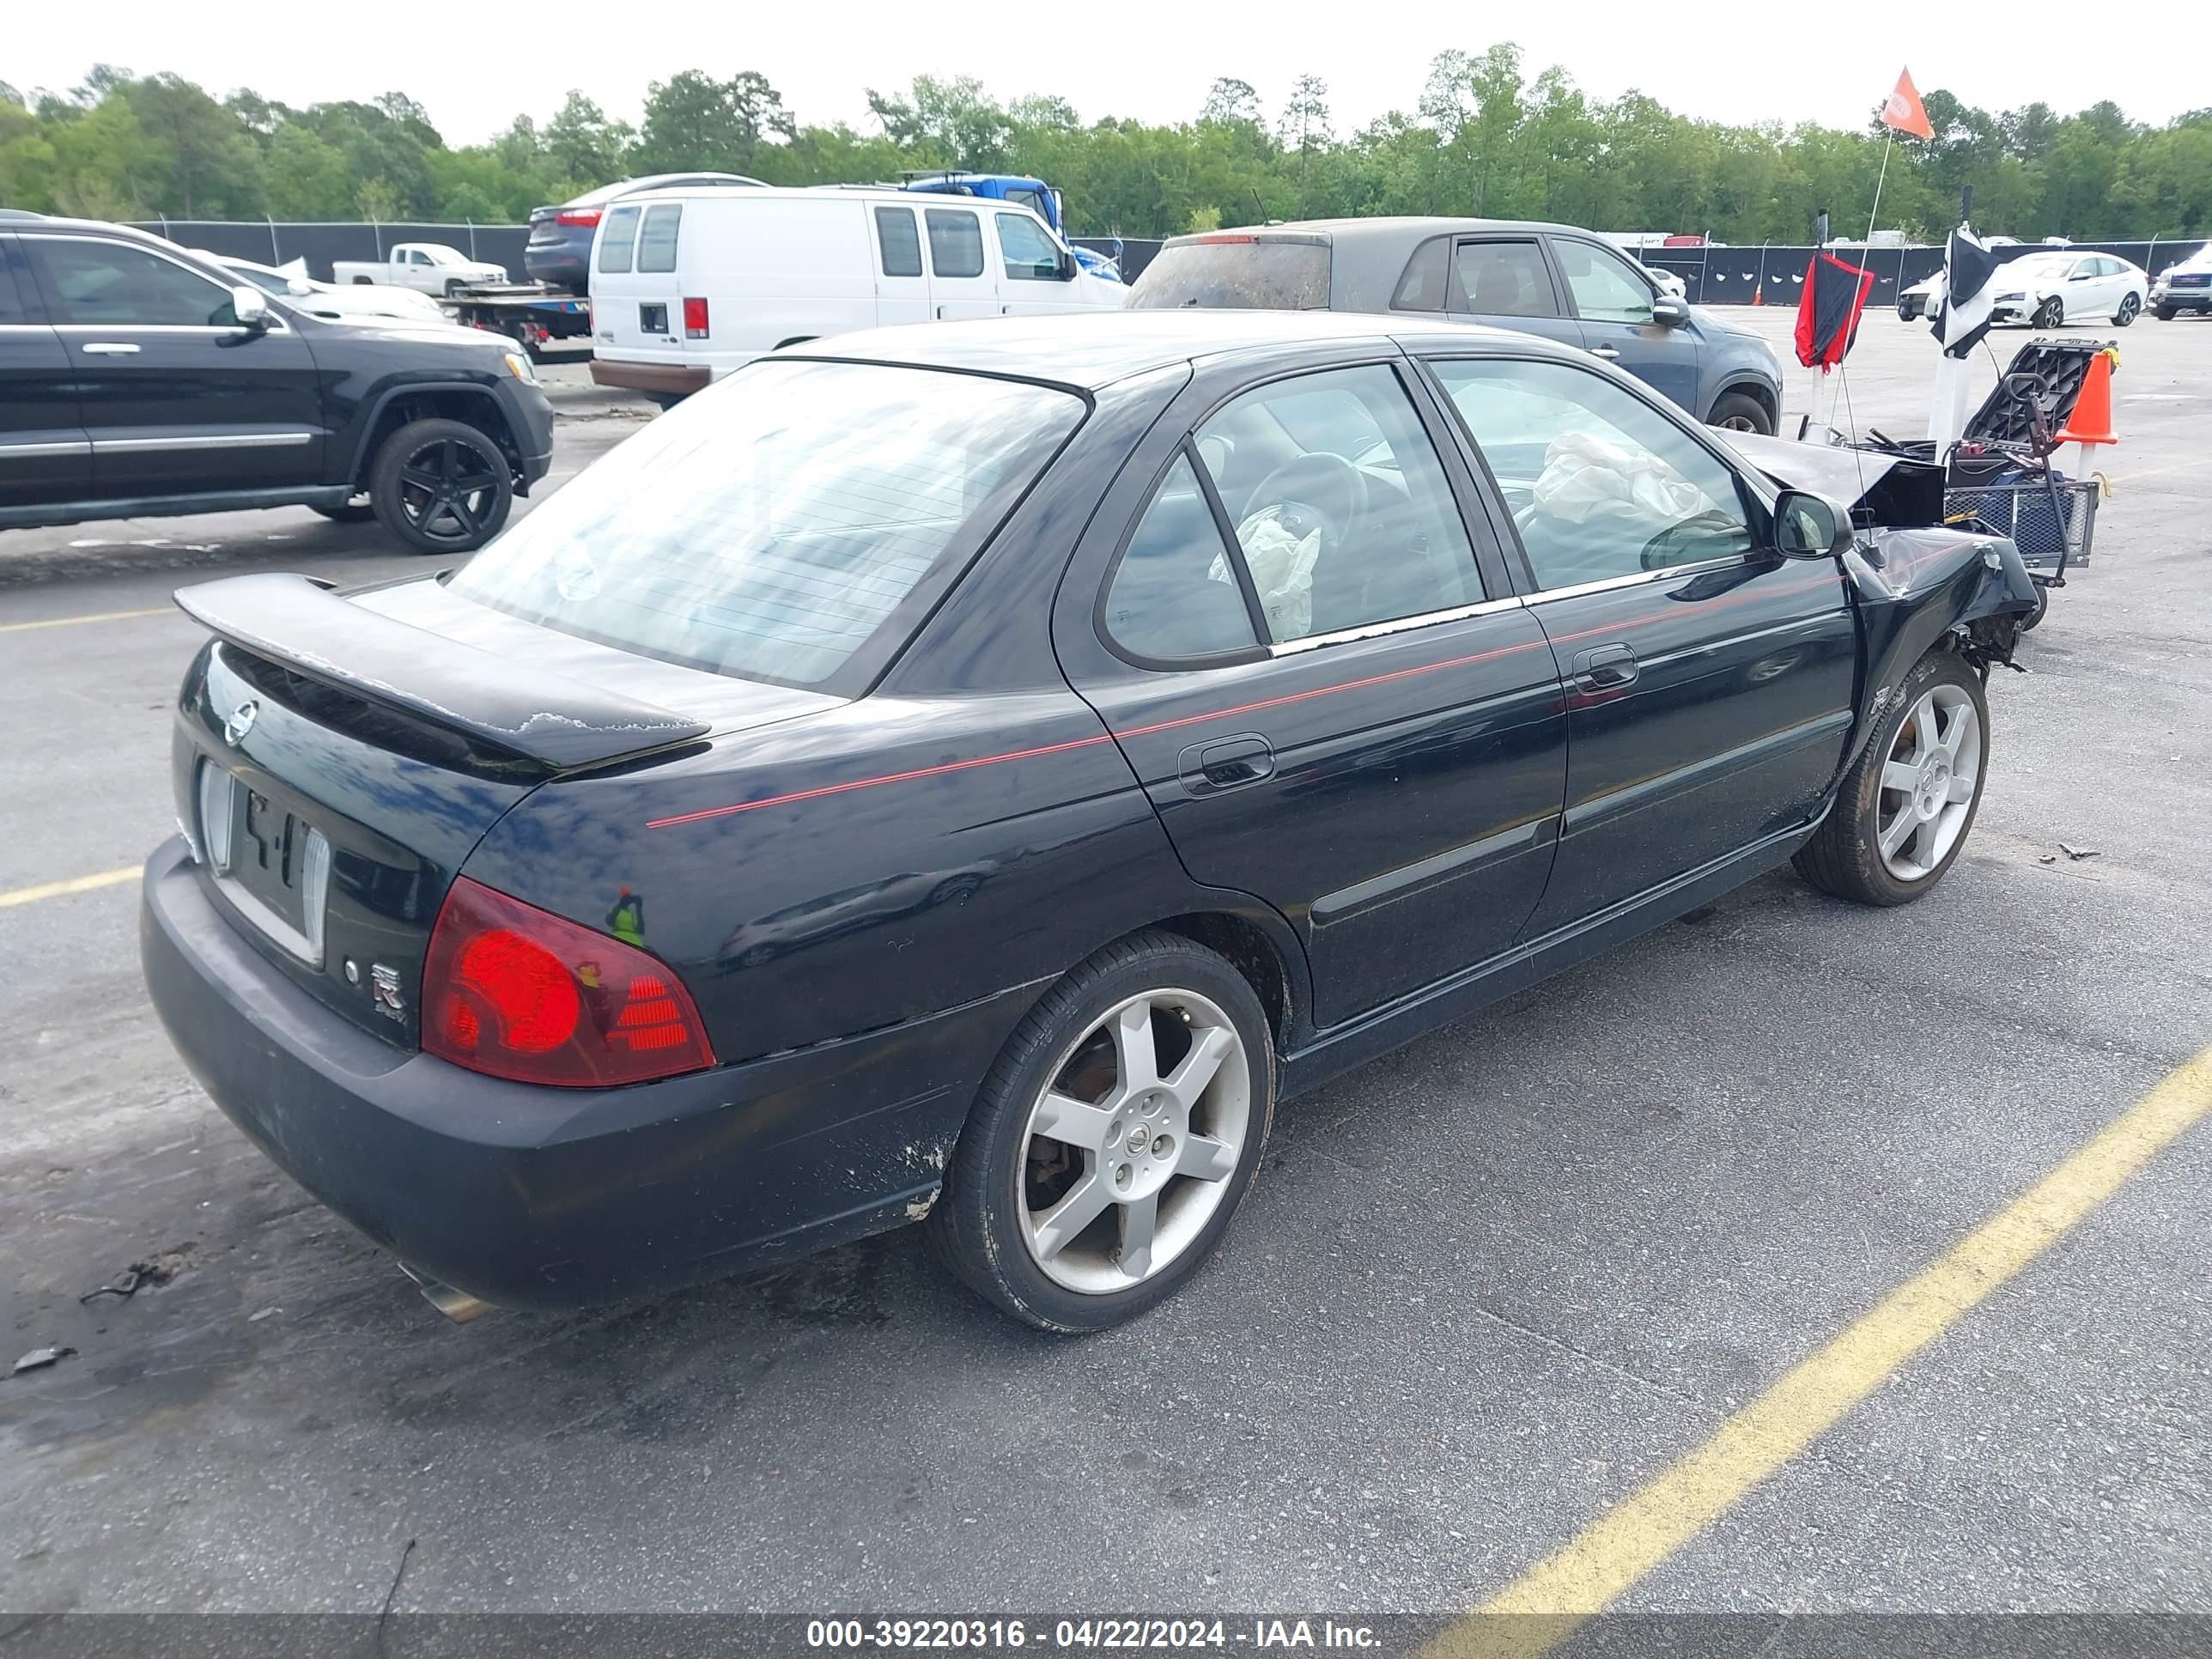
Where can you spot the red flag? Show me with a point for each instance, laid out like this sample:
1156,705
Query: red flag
1903,112
1828,315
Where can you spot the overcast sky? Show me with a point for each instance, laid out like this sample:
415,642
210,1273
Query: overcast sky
1146,59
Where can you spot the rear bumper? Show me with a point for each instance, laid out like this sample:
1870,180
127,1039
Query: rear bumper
555,1198
671,378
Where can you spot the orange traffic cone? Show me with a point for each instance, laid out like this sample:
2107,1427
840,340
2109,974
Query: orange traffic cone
1758,295
2091,421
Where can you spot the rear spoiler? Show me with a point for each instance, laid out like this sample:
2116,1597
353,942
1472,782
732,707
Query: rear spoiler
554,721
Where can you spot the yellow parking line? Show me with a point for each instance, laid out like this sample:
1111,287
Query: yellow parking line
104,616
74,884
1548,1603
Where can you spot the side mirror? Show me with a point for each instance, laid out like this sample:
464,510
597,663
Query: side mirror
249,306
1067,265
1809,526
1670,311
299,288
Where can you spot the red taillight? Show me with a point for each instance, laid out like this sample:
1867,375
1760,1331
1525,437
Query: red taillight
694,320
1226,236
587,217
517,991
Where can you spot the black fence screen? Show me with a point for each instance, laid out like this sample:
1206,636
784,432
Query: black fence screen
1731,275
278,243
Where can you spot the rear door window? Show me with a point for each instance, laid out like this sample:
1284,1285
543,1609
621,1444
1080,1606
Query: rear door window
902,242
778,529
1340,506
656,237
1175,594
11,305
617,240
1505,279
956,243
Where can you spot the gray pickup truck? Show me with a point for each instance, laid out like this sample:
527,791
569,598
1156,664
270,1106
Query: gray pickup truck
1563,283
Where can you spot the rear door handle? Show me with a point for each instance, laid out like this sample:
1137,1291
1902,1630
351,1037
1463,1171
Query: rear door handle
1609,353
109,348
1604,667
1209,769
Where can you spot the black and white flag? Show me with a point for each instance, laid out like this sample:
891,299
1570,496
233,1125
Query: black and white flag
1969,279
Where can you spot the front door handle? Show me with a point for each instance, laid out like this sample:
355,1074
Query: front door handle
1208,769
1609,353
109,348
1604,667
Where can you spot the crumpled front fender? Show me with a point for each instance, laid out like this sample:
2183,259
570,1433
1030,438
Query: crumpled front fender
1914,586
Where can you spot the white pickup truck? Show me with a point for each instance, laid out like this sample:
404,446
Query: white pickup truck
432,267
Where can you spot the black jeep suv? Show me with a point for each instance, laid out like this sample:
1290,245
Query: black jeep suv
138,380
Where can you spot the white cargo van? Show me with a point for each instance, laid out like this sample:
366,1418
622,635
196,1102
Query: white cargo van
688,284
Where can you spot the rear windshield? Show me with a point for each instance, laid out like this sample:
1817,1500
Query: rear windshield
1256,276
774,526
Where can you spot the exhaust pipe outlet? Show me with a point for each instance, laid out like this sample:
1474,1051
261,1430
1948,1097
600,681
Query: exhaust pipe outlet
457,1305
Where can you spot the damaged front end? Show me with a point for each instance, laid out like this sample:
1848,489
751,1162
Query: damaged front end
1915,578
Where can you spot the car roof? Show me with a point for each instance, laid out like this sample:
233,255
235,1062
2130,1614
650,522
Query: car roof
624,187
1400,229
821,193
1088,350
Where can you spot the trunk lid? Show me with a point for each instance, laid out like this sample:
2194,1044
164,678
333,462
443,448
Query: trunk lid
337,758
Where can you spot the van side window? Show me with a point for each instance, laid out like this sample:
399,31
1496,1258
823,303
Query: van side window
617,239
902,241
1032,255
955,242
656,240
1174,594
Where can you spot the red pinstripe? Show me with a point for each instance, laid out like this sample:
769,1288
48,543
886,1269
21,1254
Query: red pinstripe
1174,724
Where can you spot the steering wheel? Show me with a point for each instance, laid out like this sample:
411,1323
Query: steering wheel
1326,486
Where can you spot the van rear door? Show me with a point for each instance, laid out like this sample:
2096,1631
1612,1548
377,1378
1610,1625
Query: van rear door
637,308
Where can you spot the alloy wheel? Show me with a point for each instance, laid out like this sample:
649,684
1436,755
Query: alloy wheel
448,489
1129,1148
1928,783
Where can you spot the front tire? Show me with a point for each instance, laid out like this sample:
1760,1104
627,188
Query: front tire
1904,810
2167,313
1738,411
441,486
1114,1139
2052,313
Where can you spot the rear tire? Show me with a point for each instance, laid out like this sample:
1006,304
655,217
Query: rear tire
359,510
441,486
2129,305
1738,411
1097,1172
1929,757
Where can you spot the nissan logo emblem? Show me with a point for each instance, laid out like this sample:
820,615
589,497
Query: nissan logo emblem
241,722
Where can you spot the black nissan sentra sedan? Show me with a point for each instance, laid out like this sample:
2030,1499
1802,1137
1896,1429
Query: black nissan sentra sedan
968,774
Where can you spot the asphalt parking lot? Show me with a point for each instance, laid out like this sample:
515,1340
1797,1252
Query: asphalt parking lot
1487,1289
